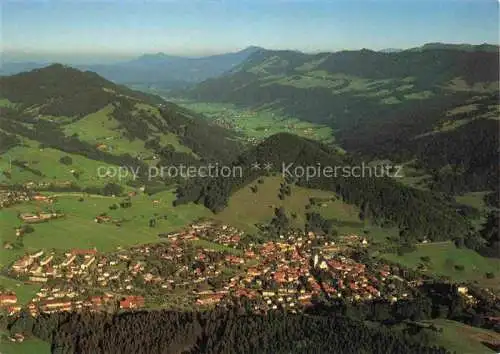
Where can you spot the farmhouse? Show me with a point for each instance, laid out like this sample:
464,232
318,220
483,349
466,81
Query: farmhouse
68,261
132,302
38,279
102,218
29,218
85,253
8,299
87,263
209,300
56,305
21,264
41,198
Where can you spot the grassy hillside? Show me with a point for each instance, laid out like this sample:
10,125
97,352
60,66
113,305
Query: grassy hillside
246,208
95,124
30,345
464,339
102,128
445,259
385,200
43,165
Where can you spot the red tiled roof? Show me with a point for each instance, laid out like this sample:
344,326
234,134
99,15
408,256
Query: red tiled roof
132,302
83,252
5,298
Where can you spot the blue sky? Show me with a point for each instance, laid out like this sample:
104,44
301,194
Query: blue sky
112,28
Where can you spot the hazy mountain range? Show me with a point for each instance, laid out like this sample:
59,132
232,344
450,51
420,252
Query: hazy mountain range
160,69
164,71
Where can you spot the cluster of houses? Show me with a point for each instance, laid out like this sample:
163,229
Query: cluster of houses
9,197
33,218
291,273
222,234
44,185
212,265
39,267
286,273
8,302
71,298
61,276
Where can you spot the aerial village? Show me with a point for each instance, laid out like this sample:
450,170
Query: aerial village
206,264
9,197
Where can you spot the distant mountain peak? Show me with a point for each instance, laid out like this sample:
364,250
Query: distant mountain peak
57,66
484,47
159,57
390,50
251,48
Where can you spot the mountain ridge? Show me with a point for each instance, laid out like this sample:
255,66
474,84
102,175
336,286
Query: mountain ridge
86,116
155,69
384,198
378,104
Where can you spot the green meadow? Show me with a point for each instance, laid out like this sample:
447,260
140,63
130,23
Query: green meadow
247,208
445,259
30,345
463,339
101,128
473,199
50,169
258,124
24,291
77,229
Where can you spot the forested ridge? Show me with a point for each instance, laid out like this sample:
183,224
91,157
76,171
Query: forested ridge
470,149
216,331
63,93
210,141
490,233
431,64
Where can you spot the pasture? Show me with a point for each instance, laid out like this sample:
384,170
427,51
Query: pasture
444,259
30,345
461,338
43,165
77,228
258,124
